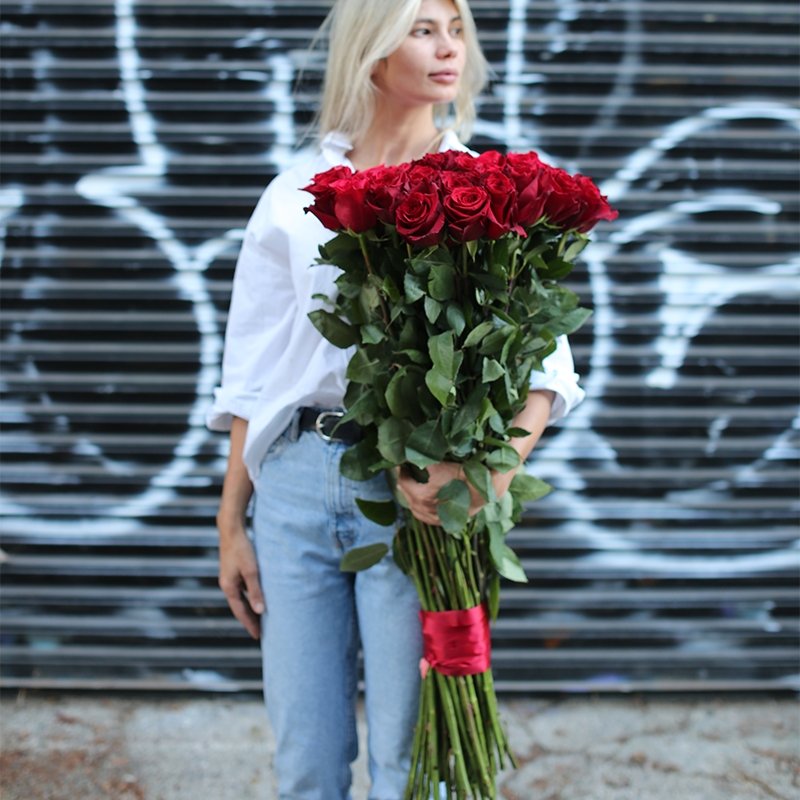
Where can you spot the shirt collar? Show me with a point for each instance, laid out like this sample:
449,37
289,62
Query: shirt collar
335,145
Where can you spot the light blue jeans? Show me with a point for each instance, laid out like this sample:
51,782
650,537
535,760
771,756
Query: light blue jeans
304,519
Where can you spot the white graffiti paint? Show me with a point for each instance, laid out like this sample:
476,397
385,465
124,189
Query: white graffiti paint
117,189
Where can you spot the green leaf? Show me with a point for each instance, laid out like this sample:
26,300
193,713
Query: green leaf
556,269
413,287
467,414
426,445
361,558
492,370
349,285
525,487
372,334
455,318
476,334
408,333
503,459
392,435
401,393
493,596
343,250
432,309
517,433
505,559
453,506
441,349
390,289
361,368
507,345
570,322
440,379
480,477
441,282
493,343
356,460
383,512
336,331
417,356
440,386
575,249
361,404
487,410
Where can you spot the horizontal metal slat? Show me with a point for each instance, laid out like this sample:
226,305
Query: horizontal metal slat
201,683
756,323
588,72
656,8
501,657
510,597
44,474
538,537
566,568
128,625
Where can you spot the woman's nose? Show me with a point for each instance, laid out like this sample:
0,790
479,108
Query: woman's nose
446,45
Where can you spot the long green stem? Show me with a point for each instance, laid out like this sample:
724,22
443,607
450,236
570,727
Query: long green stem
362,242
459,741
462,781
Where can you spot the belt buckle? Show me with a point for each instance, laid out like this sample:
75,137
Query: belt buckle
320,421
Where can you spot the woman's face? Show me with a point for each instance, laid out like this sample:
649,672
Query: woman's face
426,69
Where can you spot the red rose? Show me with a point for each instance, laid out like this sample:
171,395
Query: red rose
386,189
421,177
563,199
502,199
419,218
350,205
449,160
593,205
324,192
490,161
530,202
523,168
452,180
467,212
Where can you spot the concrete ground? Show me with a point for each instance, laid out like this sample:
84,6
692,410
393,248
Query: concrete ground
86,747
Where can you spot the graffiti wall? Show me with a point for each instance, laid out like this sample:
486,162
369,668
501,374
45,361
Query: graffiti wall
138,135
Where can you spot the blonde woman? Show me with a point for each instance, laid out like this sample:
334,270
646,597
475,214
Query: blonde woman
401,80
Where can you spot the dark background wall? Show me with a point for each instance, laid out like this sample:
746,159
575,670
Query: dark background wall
137,138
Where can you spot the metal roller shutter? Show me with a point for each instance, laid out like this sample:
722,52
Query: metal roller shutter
137,138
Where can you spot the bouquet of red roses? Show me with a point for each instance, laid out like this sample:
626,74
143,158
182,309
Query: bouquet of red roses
450,295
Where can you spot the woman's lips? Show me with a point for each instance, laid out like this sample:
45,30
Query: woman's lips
445,76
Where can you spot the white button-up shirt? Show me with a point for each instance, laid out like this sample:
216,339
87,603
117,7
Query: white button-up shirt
275,361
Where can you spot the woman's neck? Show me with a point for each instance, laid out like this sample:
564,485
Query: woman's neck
394,137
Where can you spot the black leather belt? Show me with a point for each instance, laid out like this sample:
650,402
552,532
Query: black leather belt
323,422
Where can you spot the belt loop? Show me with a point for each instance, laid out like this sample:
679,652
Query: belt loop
294,425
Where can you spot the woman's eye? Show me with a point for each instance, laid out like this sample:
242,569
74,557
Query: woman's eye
420,31
456,32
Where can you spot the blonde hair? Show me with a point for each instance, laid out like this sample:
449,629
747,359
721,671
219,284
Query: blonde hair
359,35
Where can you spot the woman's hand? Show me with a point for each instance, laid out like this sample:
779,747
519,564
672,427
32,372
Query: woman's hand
238,577
238,568
421,497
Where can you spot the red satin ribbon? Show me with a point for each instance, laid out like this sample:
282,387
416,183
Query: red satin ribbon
456,642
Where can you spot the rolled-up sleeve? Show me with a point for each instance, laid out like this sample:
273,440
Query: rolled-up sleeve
259,318
559,376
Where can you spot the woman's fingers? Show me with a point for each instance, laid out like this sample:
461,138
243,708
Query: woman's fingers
242,611
239,581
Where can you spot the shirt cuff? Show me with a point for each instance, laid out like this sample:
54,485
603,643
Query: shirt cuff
567,392
226,406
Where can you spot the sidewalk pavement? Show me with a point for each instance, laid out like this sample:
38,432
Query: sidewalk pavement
637,747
